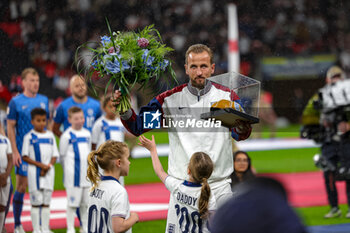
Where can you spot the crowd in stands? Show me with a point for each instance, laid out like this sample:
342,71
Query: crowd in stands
46,34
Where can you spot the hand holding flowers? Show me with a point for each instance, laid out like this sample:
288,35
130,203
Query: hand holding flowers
127,58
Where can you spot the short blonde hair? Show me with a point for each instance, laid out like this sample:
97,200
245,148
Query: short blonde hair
199,48
73,110
27,71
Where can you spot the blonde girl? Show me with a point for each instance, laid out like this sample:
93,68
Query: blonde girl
193,200
109,207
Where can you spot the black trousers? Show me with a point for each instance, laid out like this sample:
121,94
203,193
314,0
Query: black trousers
337,153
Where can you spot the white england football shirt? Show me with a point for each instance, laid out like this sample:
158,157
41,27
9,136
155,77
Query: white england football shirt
105,129
5,149
75,146
184,214
109,199
40,147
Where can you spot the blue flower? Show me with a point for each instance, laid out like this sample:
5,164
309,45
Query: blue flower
94,64
164,64
125,65
114,66
148,60
105,40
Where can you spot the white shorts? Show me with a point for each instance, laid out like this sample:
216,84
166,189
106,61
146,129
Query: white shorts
40,197
4,194
77,196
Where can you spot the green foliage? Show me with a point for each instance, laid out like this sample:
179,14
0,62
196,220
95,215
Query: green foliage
127,58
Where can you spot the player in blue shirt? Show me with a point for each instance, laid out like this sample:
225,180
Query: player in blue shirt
18,124
79,98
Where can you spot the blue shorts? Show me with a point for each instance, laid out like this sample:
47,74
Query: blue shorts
22,170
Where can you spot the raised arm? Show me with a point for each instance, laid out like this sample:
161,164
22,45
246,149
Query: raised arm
157,166
133,122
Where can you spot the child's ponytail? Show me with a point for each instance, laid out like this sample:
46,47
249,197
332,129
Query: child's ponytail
92,171
108,151
201,167
203,202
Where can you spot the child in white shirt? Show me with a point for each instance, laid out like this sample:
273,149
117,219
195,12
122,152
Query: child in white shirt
108,199
193,200
108,127
75,145
6,165
40,152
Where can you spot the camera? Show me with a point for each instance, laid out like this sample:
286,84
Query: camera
315,132
323,163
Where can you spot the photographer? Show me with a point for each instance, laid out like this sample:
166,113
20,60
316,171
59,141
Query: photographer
325,121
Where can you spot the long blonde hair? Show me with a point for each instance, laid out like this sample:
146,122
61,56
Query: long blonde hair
201,167
106,152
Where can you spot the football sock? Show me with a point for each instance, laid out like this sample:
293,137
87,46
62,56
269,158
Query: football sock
70,218
45,218
35,214
17,207
9,200
78,215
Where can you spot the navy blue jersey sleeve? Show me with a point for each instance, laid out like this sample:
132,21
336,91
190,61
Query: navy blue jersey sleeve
135,123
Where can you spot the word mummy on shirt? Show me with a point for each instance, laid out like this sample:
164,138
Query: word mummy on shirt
185,199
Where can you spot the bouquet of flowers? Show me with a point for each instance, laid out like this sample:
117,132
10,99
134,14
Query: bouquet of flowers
127,58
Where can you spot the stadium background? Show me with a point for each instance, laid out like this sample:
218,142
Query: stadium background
287,45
